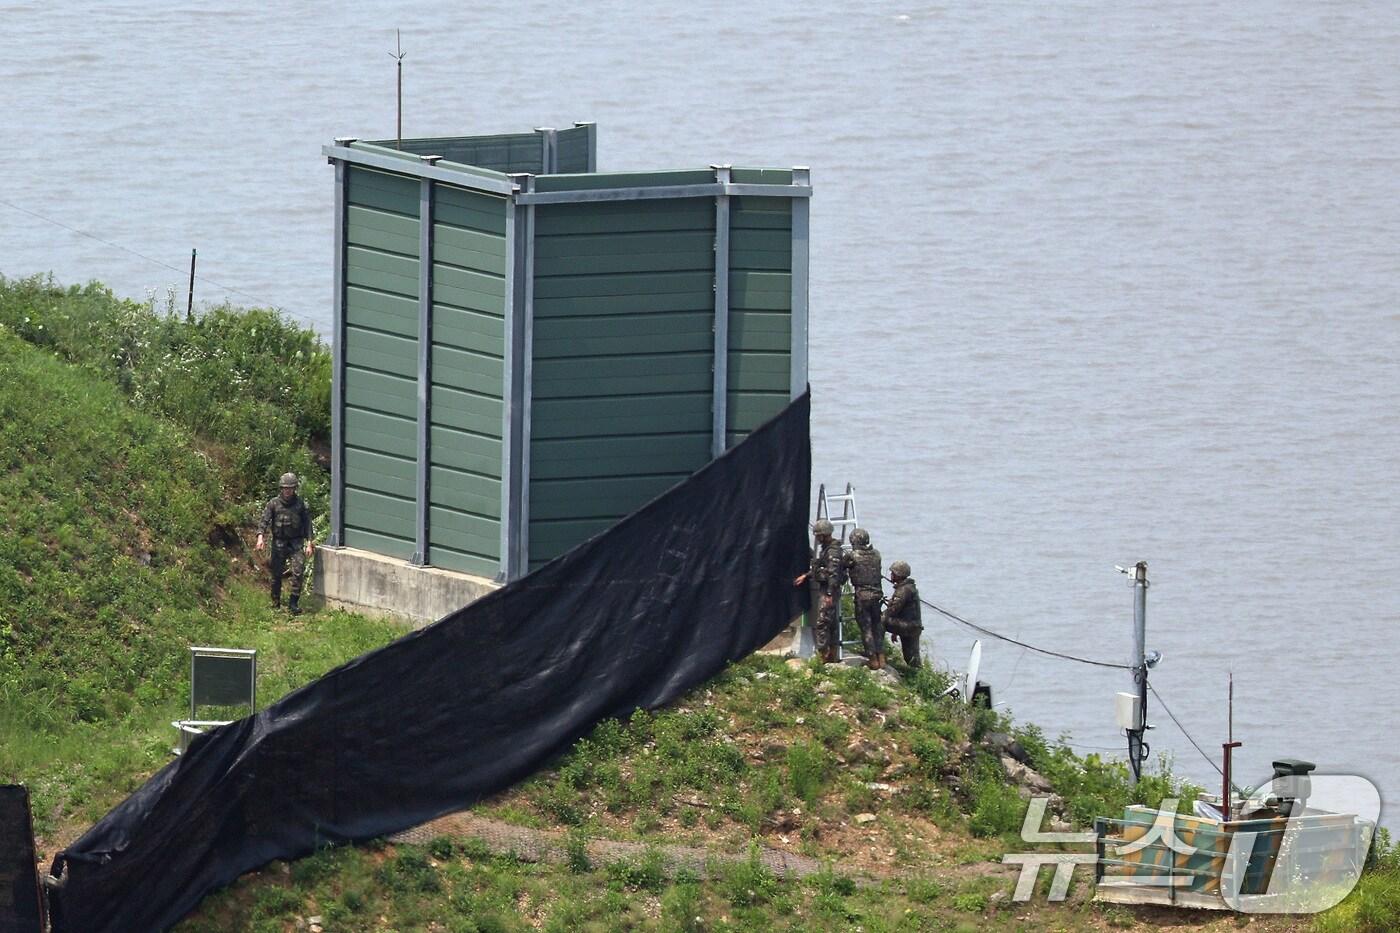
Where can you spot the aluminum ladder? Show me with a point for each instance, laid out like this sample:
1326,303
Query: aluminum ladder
842,526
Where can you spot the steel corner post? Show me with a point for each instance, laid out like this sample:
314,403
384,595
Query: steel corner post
422,506
520,271
336,535
801,268
720,391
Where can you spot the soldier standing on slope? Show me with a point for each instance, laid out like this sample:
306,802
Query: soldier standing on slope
289,520
829,570
863,568
903,616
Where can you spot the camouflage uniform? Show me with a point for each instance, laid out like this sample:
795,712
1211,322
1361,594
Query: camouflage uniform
290,524
903,617
829,571
863,568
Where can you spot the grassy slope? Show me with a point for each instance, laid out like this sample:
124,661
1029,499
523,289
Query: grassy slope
106,575
108,506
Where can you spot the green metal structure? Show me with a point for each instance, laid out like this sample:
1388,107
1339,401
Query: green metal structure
526,349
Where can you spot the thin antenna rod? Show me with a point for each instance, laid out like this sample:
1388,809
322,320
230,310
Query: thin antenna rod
189,306
1228,749
397,56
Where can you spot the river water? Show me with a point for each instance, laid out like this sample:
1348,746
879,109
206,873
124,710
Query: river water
1091,282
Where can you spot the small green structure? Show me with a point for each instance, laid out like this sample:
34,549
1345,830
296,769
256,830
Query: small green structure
526,350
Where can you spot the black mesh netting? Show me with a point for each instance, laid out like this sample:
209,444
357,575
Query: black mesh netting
440,718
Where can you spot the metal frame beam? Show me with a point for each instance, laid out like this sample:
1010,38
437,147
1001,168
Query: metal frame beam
336,536
523,327
549,149
409,165
511,400
720,393
801,269
425,358
655,192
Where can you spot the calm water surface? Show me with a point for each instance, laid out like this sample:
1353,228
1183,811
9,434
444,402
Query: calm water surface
1091,282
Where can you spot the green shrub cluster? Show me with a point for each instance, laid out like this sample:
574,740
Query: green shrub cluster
250,380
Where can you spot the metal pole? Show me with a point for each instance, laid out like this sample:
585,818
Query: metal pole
189,306
397,55
1137,749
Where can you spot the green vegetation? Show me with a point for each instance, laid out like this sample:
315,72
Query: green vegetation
116,548
135,446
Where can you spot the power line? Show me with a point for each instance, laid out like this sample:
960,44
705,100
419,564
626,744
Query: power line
1046,651
151,259
1172,716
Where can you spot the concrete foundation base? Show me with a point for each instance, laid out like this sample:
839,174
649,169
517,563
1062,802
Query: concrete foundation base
361,581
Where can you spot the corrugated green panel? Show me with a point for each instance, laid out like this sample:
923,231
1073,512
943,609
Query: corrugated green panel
386,433
760,330
379,513
630,333
484,252
464,410
607,217
761,250
462,532
653,283
383,272
394,395
572,149
625,415
549,539
468,300
623,376
622,305
760,291
382,231
508,152
469,330
759,372
618,456
473,372
463,451
382,191
597,498
760,213
466,492
379,544
384,352
687,261
470,209
697,242
448,559
748,410
595,180
393,313
464,280
761,176
394,476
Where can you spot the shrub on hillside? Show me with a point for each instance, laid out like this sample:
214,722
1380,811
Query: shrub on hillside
254,382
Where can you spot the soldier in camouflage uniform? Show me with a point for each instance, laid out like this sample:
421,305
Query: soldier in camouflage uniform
829,571
903,617
289,521
863,568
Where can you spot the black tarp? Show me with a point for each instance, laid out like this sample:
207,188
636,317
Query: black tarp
633,618
21,905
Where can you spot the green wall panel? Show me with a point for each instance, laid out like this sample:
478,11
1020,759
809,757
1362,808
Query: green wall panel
760,301
373,310
466,492
623,354
396,194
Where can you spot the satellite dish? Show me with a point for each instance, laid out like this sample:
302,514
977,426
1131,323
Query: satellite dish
973,663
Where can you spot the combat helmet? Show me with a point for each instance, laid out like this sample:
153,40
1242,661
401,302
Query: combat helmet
289,480
823,527
860,538
899,570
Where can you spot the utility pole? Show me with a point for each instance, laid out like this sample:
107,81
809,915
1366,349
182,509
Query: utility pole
1139,662
189,306
397,56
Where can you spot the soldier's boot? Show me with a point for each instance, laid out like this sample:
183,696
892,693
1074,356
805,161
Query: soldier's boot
276,598
830,654
292,606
